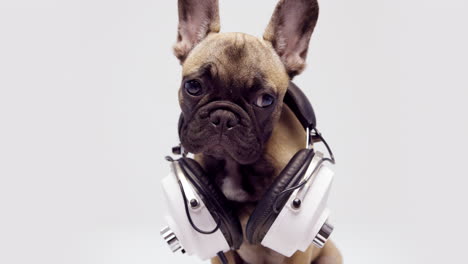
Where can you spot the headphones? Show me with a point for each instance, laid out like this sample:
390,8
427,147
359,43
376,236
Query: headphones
291,215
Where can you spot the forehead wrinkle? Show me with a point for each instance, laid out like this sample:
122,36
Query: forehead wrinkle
220,68
258,57
236,50
201,71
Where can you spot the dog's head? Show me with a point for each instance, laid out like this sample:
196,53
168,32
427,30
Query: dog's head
233,83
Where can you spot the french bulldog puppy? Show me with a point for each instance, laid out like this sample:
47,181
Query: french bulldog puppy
234,119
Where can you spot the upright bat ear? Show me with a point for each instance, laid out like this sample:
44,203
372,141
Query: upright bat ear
289,31
197,19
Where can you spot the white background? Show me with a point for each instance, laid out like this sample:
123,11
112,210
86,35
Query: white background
88,110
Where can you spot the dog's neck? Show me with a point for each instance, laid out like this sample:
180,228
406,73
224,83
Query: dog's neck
238,182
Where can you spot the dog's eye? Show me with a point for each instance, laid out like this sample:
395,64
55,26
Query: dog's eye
193,87
264,100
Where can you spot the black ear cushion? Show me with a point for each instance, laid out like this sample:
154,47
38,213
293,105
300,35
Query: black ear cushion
263,216
215,201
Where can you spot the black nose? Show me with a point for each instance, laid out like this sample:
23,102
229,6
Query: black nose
223,119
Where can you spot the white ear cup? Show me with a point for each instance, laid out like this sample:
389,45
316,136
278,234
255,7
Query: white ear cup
179,234
296,228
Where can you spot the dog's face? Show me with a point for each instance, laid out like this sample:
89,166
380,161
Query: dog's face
231,94
233,84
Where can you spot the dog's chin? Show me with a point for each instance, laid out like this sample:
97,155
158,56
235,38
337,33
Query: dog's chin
216,151
222,152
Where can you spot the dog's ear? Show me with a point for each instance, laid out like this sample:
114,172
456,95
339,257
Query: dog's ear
197,19
289,31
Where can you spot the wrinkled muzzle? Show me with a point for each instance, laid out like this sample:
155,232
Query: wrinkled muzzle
219,128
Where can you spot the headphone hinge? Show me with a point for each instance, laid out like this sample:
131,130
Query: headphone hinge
309,138
192,199
299,194
179,150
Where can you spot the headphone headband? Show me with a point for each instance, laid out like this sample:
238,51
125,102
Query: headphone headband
300,105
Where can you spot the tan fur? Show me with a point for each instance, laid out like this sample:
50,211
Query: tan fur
277,58
258,55
287,138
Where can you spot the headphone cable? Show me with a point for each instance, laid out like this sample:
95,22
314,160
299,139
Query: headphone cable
330,152
187,212
222,257
220,254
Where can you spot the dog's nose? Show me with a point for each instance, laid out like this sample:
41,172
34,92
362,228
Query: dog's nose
223,119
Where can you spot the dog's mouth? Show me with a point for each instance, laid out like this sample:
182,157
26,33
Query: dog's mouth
243,151
219,129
